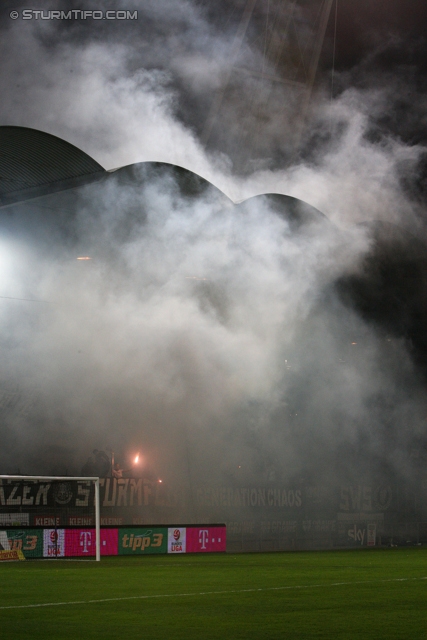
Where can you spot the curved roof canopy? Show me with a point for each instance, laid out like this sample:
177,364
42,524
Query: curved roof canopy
33,163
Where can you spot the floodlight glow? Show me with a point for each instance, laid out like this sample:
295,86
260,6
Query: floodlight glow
14,263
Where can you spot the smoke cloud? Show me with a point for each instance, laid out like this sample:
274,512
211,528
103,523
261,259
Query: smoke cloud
227,342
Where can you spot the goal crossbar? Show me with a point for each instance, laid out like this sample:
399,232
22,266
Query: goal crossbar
94,479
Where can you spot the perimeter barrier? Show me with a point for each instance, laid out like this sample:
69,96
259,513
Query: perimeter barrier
77,542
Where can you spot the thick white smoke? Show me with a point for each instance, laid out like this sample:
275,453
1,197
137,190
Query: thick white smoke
196,323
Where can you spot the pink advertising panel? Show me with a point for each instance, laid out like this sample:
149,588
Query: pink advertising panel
81,542
205,539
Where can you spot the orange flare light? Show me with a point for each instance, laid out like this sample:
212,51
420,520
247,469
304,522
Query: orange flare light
136,459
84,258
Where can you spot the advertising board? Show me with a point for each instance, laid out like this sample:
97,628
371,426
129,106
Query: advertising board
177,537
14,519
29,541
53,543
371,534
81,542
206,539
132,540
142,541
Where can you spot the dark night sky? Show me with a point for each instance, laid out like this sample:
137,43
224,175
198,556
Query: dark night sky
363,26
380,43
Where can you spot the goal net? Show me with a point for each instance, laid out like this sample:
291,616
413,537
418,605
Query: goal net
50,516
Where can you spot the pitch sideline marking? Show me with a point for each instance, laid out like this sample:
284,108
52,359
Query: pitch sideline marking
204,593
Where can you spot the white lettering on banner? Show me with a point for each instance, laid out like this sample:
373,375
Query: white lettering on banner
147,491
122,493
278,526
358,535
46,521
131,492
85,540
246,527
203,537
111,521
15,518
74,14
82,522
20,494
25,499
135,491
383,496
11,499
319,525
249,497
359,497
83,492
42,493
110,502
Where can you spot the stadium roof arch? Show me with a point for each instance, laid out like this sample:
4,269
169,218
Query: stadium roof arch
34,163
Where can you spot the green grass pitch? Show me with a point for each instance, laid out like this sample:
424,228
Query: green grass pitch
329,594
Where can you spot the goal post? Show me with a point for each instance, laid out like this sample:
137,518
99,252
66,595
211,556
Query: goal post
30,501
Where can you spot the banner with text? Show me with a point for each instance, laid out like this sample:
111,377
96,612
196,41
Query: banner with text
132,540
